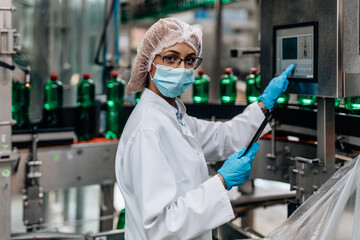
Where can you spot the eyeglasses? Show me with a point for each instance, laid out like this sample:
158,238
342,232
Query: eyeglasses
175,61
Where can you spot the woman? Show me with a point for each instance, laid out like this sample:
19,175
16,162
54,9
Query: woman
160,162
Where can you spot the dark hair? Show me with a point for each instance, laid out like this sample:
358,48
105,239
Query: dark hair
147,82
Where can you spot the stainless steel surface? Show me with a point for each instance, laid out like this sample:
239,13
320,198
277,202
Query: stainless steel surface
6,154
71,166
326,132
6,49
217,67
344,158
296,129
5,200
80,208
351,84
33,205
229,231
310,173
51,136
338,75
47,236
349,139
278,169
246,51
306,160
338,45
306,178
6,123
272,154
111,235
107,206
110,55
350,39
247,189
58,37
263,200
32,193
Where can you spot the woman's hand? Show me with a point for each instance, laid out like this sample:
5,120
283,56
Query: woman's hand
236,169
275,88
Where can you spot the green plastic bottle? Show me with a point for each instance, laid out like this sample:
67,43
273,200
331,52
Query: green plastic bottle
121,220
115,112
253,81
137,97
306,100
283,99
86,112
352,103
228,87
20,104
201,88
337,102
53,101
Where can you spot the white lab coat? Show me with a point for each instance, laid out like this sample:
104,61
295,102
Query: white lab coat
162,173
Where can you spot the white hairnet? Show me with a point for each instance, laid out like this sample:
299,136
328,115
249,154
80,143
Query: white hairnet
162,34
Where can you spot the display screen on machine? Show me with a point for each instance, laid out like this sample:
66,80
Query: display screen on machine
295,45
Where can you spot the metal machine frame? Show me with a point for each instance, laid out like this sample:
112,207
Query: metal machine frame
336,71
28,163
7,155
338,43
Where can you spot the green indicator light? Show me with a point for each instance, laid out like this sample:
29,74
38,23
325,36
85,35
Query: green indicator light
4,147
226,98
56,157
6,173
252,99
356,106
197,99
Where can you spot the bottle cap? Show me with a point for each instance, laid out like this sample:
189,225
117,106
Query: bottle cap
228,70
86,75
253,70
54,76
114,74
201,71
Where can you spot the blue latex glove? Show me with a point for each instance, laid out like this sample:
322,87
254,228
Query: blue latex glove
236,169
275,88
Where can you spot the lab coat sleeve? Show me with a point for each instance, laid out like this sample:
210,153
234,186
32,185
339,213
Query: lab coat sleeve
221,139
164,215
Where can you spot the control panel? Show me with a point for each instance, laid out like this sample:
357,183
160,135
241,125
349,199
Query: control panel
296,44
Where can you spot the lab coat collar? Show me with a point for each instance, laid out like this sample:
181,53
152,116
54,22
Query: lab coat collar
181,107
149,97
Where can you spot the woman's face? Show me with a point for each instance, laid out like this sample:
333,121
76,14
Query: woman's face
179,50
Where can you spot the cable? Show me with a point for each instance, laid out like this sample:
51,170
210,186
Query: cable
104,53
103,35
8,66
107,39
116,19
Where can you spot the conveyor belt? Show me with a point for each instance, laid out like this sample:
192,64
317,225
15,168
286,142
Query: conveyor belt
347,123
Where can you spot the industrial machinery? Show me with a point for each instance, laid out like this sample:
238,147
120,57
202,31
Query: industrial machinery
7,155
33,171
321,38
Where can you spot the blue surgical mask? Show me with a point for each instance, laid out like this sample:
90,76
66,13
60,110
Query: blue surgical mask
173,82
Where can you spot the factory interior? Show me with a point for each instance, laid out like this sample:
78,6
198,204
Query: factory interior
61,121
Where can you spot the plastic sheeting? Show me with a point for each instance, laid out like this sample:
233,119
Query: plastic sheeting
333,212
